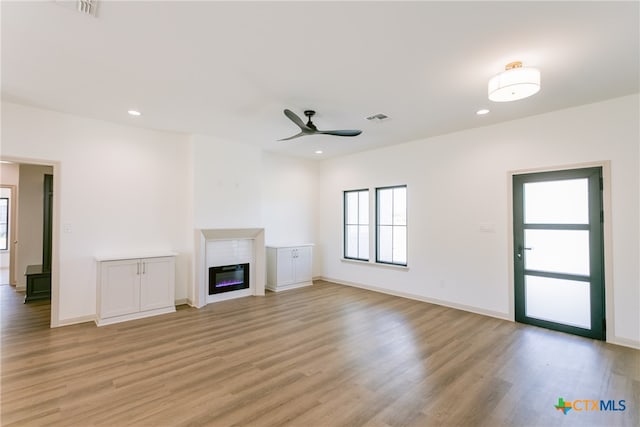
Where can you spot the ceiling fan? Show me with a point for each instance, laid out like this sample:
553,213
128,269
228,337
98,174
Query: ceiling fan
310,129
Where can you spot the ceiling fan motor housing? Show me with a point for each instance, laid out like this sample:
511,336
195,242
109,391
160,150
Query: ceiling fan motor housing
309,114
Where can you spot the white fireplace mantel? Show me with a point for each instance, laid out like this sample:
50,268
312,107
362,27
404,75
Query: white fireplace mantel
198,295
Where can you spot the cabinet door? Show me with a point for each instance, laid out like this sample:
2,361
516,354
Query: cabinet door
284,265
119,288
303,262
157,283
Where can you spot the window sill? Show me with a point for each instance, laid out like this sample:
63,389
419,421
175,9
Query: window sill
375,264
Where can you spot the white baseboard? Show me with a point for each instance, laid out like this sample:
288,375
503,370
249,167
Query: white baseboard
625,342
476,310
190,303
133,316
182,301
287,287
75,321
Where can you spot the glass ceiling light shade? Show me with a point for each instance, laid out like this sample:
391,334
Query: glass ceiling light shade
515,82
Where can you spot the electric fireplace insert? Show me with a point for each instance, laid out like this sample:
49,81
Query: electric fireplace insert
228,278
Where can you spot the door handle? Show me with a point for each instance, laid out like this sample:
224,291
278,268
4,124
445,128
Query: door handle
520,253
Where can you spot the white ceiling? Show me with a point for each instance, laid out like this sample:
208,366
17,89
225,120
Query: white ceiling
228,69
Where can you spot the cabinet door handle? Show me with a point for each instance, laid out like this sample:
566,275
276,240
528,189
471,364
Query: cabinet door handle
138,268
144,267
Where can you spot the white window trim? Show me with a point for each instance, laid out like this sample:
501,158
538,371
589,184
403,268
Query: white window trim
375,264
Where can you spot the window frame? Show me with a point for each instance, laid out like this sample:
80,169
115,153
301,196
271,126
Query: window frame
358,224
393,226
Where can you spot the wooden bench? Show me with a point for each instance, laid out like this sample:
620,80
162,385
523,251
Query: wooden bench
38,283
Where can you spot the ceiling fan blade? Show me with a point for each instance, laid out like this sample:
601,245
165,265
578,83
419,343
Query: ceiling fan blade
297,120
294,136
350,132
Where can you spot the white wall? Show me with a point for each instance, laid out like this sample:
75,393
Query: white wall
289,202
238,186
9,173
117,189
458,182
227,182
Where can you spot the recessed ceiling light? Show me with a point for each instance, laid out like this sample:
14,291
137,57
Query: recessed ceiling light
318,151
482,112
134,113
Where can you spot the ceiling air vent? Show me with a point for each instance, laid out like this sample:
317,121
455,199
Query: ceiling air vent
378,117
88,6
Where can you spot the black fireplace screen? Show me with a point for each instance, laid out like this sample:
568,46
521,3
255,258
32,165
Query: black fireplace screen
228,278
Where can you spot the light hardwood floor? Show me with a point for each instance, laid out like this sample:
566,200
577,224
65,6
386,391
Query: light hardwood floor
327,355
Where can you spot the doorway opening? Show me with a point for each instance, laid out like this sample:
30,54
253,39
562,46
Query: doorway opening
31,238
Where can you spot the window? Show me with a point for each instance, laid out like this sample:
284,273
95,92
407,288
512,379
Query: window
4,223
391,225
356,224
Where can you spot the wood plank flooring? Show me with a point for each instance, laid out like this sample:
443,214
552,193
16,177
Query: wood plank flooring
326,355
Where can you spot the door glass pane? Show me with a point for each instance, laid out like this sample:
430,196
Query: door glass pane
385,253
363,242
557,202
556,300
557,251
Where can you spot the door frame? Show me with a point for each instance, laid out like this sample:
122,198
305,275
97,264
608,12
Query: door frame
12,231
607,230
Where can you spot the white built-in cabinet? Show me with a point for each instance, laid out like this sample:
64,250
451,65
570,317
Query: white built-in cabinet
132,288
289,267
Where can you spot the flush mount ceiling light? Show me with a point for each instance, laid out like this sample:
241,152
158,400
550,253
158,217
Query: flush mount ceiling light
134,113
515,82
